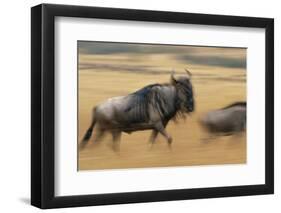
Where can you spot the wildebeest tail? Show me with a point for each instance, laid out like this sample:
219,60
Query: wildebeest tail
89,132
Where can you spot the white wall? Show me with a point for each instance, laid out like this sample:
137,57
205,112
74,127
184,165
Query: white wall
15,105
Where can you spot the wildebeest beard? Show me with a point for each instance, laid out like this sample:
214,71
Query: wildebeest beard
162,98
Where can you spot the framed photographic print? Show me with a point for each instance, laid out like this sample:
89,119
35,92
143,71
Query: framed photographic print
139,106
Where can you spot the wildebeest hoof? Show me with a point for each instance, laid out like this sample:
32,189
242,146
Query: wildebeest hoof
170,140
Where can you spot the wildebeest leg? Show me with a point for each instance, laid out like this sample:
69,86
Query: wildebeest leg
160,127
154,133
99,136
116,135
153,136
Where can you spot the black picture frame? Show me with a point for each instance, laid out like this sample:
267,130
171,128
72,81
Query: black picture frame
43,102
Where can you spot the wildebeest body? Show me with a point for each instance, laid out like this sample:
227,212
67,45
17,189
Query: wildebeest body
138,110
228,120
148,108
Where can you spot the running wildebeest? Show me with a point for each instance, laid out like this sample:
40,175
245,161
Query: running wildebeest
226,121
150,108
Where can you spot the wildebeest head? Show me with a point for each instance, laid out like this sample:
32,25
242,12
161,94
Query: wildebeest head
184,91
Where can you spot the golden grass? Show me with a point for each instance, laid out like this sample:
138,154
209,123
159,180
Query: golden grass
213,89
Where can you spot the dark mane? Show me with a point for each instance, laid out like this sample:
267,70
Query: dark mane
240,103
153,95
138,109
145,90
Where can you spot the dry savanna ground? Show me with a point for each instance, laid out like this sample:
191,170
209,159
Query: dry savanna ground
214,87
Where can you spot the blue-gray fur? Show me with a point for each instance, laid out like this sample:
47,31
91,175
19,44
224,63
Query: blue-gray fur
154,96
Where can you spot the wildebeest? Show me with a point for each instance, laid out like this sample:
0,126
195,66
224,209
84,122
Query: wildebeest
150,108
226,121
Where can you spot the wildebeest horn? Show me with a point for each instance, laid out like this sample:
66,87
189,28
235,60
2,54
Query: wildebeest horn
188,73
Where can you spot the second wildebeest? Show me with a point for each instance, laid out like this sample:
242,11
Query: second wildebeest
226,121
150,108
